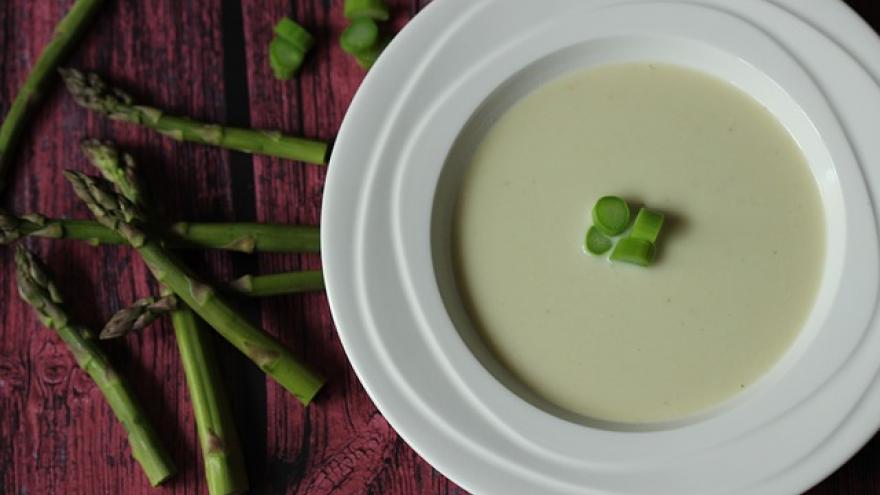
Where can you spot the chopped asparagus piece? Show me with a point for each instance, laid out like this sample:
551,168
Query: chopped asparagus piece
635,251
611,215
597,242
362,35
647,225
370,9
290,31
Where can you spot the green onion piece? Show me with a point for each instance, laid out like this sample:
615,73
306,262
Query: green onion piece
597,242
635,251
360,37
611,215
288,30
285,58
371,9
647,225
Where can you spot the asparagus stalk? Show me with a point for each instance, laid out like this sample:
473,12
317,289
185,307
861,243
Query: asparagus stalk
67,32
94,94
224,464
36,288
117,213
241,237
278,283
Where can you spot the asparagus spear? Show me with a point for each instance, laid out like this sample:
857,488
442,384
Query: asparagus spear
117,213
241,237
66,33
93,93
224,464
36,288
278,283
146,310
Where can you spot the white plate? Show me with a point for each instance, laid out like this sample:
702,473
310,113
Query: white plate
463,62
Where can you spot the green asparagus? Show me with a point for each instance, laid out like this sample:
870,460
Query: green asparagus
146,310
67,32
117,213
118,168
36,288
138,316
93,93
279,283
241,237
224,464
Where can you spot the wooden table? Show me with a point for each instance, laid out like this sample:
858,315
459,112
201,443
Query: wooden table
207,59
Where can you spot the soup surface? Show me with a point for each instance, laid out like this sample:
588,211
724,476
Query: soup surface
738,265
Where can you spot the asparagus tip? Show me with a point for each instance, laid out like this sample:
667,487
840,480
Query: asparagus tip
138,316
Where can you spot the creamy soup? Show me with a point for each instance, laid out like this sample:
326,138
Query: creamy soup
738,263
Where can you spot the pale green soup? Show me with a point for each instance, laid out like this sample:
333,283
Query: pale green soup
739,263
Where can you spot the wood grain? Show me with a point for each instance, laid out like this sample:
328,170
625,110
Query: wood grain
207,59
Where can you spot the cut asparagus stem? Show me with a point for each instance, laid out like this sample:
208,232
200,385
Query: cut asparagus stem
249,237
91,92
138,316
611,215
241,237
37,289
221,452
279,283
67,32
116,212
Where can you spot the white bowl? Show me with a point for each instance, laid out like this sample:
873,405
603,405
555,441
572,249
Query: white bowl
393,178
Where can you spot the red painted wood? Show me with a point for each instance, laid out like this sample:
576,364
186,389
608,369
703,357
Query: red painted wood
56,433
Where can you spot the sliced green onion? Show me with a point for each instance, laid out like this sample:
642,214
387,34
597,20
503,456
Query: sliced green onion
647,225
360,37
371,9
288,30
611,215
635,251
285,58
597,242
